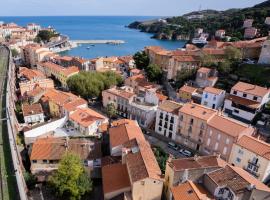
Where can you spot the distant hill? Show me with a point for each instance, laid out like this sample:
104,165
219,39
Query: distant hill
183,27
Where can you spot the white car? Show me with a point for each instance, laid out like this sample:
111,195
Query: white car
185,152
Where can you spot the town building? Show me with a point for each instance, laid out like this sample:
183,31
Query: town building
265,52
206,77
209,178
32,114
220,33
178,171
29,79
86,121
59,104
167,119
185,93
234,183
33,27
58,72
193,119
122,133
213,97
250,32
267,21
253,155
220,135
142,172
248,23
47,152
120,98
245,101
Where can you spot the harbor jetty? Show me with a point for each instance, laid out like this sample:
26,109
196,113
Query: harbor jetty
97,41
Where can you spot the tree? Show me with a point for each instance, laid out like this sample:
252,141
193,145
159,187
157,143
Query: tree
91,84
141,59
153,73
70,181
111,111
225,67
14,52
233,54
184,75
208,60
45,35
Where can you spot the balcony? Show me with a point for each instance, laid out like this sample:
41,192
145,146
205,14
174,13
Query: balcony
255,164
253,173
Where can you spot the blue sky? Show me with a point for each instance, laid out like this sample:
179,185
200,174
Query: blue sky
114,7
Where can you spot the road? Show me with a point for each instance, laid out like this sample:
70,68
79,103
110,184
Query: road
8,187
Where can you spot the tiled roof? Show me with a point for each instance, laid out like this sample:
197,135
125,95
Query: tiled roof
198,111
54,148
190,191
85,116
251,89
255,145
73,105
124,121
31,73
186,58
67,71
170,107
229,126
33,109
141,162
204,70
121,93
243,101
188,89
213,90
115,178
123,133
196,163
236,179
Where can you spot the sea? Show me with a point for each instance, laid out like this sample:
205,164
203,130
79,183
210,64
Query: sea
99,28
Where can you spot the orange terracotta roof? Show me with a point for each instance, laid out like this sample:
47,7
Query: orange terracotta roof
85,116
121,93
123,133
54,148
213,90
161,97
204,70
154,48
186,58
229,126
124,121
31,73
74,104
196,163
198,111
115,178
236,179
67,71
243,101
262,148
251,89
190,191
33,109
141,162
188,89
170,107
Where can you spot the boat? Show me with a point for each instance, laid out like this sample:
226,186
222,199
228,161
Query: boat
200,40
87,47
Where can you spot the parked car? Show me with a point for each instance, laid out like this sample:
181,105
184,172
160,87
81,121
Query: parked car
173,146
185,152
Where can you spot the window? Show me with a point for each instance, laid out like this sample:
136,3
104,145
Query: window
236,111
227,141
210,133
181,117
240,152
208,141
205,103
172,119
255,98
206,96
218,136
225,151
216,146
238,160
221,191
202,126
235,92
244,95
34,161
159,128
191,121
44,161
190,129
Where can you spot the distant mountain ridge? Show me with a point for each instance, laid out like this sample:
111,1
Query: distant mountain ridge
183,27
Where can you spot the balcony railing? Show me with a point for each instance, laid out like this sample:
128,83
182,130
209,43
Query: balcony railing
253,163
253,173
